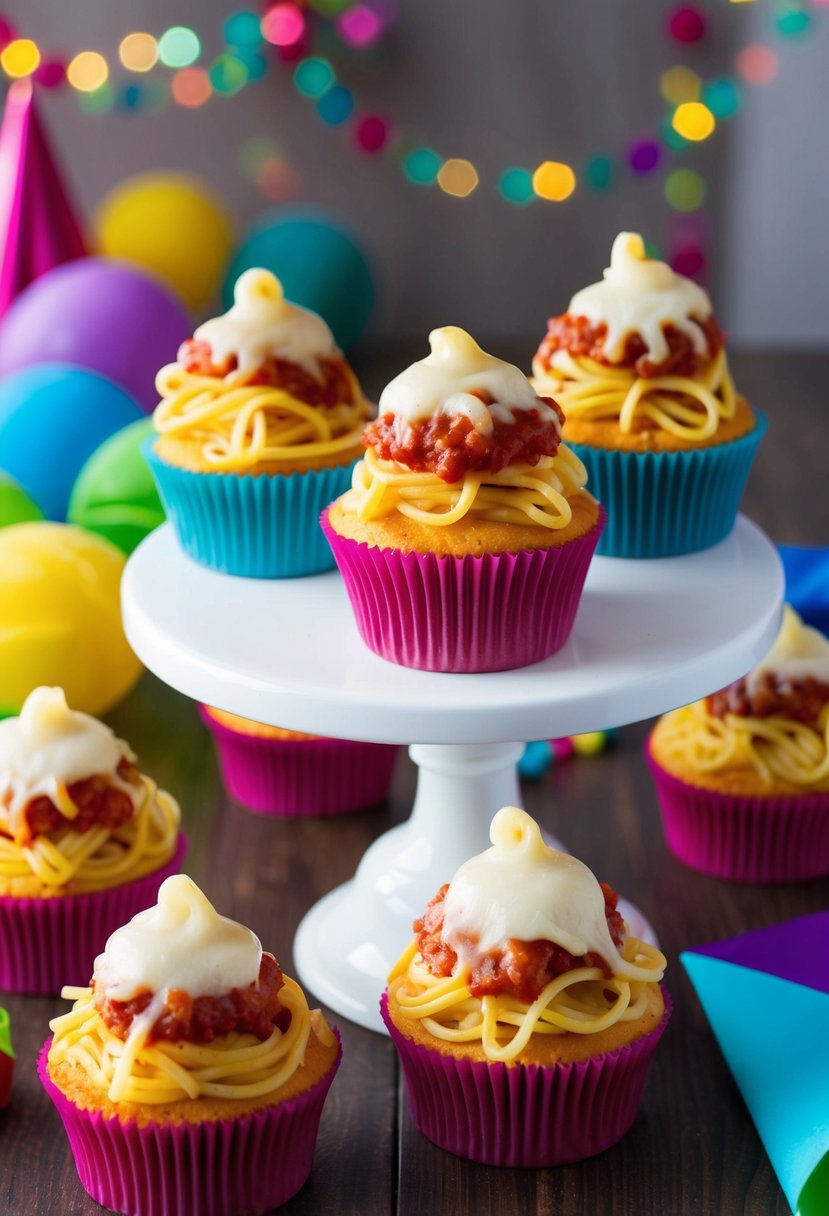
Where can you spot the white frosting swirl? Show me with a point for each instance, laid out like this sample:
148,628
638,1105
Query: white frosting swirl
799,651
181,943
522,888
442,383
263,324
642,295
51,745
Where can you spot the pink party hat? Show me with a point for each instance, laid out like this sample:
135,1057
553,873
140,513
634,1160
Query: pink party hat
38,229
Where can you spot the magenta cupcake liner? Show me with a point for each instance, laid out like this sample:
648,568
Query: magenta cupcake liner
526,1115
301,777
746,839
46,943
492,612
226,1167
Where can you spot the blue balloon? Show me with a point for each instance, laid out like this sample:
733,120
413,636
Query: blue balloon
320,265
52,418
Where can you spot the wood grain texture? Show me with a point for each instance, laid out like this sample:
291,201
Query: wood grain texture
693,1150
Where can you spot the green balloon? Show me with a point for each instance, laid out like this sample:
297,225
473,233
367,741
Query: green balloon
16,507
115,494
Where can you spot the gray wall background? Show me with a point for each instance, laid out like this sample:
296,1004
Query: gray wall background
500,82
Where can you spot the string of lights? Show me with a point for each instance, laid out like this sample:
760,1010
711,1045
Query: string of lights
171,68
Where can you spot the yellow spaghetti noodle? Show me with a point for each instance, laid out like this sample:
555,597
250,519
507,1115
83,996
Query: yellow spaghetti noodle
238,425
100,857
581,1001
690,409
520,493
777,747
235,1065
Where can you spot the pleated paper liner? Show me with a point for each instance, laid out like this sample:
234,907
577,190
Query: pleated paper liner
492,612
664,504
263,526
46,943
745,839
526,1115
226,1167
301,777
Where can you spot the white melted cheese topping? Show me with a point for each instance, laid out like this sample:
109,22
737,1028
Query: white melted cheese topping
522,888
442,383
263,324
798,651
180,943
51,745
642,295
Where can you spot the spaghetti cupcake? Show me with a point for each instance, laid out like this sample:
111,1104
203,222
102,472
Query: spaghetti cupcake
524,1013
638,364
85,841
742,776
259,424
465,539
190,1074
288,773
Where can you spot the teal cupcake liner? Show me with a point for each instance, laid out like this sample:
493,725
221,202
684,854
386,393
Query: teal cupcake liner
258,526
663,504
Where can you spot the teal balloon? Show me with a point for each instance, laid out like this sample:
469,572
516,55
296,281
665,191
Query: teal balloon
16,507
52,418
320,265
115,495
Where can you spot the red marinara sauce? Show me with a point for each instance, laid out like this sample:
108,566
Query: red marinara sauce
582,339
522,969
801,699
449,446
253,1010
333,388
99,803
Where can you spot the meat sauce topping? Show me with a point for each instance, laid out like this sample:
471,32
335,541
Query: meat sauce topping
99,803
449,446
522,969
254,1010
582,339
334,387
801,700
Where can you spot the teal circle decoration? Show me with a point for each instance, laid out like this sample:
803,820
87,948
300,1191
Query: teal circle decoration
516,186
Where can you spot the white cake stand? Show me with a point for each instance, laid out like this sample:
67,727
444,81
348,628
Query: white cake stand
649,635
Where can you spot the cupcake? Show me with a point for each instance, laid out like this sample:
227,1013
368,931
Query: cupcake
742,777
524,1013
85,841
259,425
638,365
190,1075
465,539
285,772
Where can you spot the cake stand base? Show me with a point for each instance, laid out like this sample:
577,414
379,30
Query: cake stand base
348,942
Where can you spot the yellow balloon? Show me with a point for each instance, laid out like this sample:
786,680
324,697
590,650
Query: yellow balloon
171,225
60,617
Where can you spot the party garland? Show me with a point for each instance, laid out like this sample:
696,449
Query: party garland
695,107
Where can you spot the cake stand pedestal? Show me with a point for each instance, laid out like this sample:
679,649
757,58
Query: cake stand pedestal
649,636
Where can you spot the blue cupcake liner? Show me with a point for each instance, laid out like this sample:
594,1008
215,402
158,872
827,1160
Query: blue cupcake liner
258,526
663,504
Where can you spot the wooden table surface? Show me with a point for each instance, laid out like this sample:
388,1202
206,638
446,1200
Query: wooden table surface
693,1149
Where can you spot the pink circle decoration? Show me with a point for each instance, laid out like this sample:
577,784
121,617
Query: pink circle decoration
644,155
687,24
51,73
283,25
371,133
359,25
688,260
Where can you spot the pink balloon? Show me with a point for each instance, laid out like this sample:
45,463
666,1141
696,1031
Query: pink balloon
98,314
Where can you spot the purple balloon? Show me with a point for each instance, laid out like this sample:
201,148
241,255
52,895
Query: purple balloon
102,315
